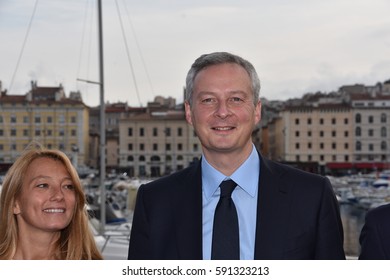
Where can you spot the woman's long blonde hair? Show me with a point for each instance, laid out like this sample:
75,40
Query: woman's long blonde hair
76,241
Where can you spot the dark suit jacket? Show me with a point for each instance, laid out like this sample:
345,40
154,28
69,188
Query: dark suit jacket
297,218
375,235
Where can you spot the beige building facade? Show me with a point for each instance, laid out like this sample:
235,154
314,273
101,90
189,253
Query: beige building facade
47,116
319,135
156,143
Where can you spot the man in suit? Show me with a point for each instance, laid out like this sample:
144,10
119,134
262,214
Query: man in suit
375,235
283,213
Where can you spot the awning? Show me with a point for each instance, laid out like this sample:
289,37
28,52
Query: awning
359,165
339,165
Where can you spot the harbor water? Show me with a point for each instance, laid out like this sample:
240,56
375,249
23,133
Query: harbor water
353,220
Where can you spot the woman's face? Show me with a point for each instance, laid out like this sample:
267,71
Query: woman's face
47,200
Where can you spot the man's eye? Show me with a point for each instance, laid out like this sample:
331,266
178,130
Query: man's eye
207,100
236,99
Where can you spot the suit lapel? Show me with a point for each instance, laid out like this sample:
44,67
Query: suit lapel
272,212
188,215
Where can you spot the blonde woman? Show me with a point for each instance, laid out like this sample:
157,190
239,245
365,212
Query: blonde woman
42,210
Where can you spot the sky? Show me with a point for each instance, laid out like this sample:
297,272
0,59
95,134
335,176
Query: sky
296,46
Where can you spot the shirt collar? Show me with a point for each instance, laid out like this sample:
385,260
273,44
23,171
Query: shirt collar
246,176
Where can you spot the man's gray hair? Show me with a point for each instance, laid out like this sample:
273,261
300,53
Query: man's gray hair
216,58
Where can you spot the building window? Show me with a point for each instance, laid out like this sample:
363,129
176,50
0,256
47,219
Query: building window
309,133
371,132
333,120
383,118
346,146
309,145
141,131
141,158
345,121
358,118
155,131
179,131
13,119
155,147
296,133
346,158
321,146
346,133
297,158
25,132
321,133
358,131
168,146
297,146
322,157
309,121
383,132
296,121
73,132
37,132
141,147
25,119
13,132
334,133
383,146
334,146
130,158
167,131
130,131
370,147
130,146
195,147
358,146
180,147
370,119
321,121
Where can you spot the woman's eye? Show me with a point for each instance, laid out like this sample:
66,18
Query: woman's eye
42,186
69,187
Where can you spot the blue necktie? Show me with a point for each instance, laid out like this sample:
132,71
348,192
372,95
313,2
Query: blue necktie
225,244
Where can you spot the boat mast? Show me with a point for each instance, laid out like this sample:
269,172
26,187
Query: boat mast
102,124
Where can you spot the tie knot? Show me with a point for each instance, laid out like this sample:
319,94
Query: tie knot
227,188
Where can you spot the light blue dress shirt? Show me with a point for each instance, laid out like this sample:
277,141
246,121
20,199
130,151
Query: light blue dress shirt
244,197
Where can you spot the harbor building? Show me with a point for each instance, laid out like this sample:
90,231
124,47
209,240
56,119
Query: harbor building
45,115
157,142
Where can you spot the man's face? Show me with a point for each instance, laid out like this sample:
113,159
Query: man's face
223,113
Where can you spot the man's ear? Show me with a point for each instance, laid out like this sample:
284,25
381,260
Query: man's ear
187,108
